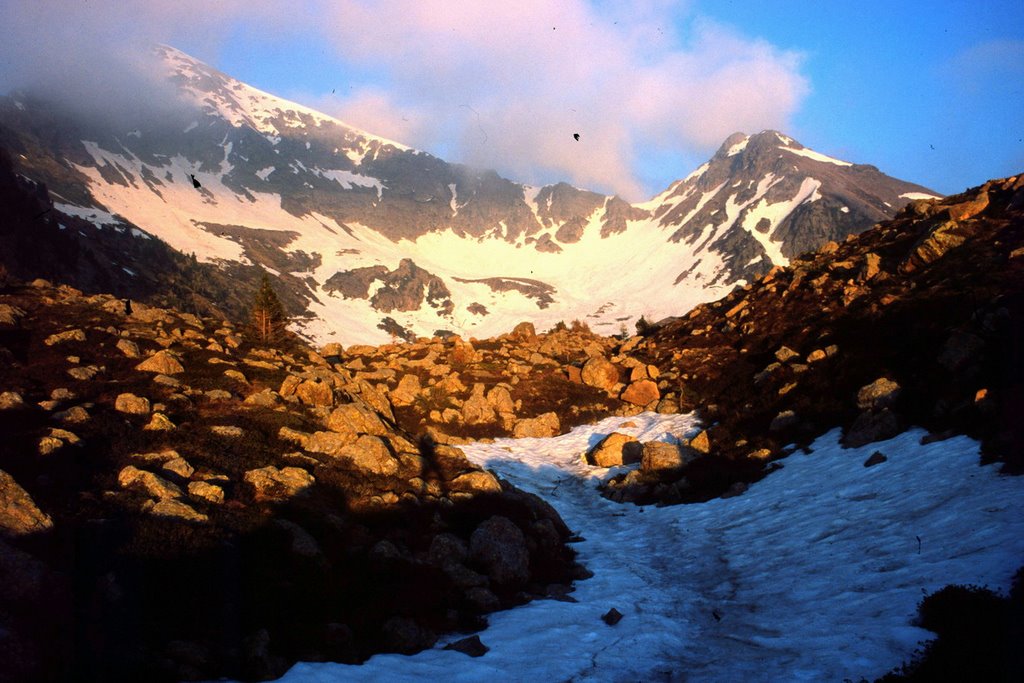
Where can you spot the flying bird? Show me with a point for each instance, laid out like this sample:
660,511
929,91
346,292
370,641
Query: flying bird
576,136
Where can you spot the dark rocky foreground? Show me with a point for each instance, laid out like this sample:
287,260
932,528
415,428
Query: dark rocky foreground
180,504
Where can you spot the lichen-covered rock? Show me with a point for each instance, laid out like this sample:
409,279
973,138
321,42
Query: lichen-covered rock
599,372
211,493
356,418
476,409
131,404
19,514
66,336
128,348
162,362
10,400
542,426
277,484
153,485
407,390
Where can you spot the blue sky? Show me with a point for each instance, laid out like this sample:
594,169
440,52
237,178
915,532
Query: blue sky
927,91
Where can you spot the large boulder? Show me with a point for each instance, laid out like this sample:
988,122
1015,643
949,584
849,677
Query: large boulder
356,418
19,514
476,409
660,456
882,393
131,404
315,392
641,393
154,486
407,390
66,336
541,426
161,362
277,484
499,547
615,449
367,452
524,331
872,426
599,372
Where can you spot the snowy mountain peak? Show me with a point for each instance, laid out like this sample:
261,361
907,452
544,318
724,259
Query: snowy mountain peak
373,239
243,105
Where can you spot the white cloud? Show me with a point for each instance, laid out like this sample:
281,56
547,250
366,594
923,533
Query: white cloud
536,72
499,85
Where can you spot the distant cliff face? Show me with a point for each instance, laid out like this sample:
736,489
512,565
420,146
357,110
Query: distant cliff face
318,203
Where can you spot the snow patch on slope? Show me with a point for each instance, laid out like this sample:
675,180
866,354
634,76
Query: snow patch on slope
817,156
813,574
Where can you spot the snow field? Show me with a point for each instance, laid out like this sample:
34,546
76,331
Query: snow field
813,574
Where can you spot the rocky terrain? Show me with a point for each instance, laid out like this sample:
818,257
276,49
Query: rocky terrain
918,321
272,504
178,503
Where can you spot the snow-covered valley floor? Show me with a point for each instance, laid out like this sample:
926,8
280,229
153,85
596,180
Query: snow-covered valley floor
813,574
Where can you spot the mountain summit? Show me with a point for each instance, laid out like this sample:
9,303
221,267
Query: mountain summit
373,239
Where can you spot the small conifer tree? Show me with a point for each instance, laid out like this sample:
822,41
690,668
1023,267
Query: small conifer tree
267,312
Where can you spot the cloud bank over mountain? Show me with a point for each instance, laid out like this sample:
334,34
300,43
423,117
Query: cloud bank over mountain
496,86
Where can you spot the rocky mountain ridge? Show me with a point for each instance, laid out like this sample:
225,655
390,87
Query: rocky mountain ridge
316,201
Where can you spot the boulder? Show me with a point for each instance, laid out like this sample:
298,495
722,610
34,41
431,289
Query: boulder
872,426
162,362
369,453
475,482
131,404
469,646
542,426
499,547
641,393
785,354
66,336
600,373
701,443
154,486
500,398
960,350
175,509
159,422
882,393
476,409
73,415
128,348
84,373
615,449
407,391
11,399
783,421
278,484
447,549
268,398
19,514
179,467
356,418
524,331
315,392
211,493
661,456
